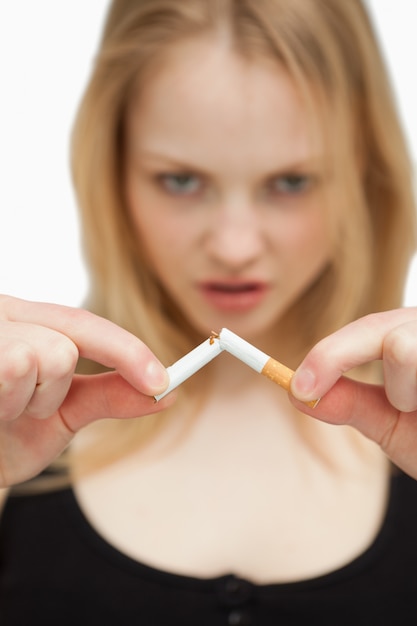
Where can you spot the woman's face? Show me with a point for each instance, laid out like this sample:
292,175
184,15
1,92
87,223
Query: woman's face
223,185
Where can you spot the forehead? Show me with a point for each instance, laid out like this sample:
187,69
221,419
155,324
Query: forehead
206,102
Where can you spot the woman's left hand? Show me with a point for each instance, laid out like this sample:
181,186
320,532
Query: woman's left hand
386,414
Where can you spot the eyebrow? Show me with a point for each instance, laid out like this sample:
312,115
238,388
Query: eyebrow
314,163
171,161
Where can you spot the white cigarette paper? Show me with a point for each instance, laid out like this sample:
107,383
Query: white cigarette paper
242,350
258,360
238,347
191,363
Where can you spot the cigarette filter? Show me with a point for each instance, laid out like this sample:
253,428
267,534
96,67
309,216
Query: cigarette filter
258,360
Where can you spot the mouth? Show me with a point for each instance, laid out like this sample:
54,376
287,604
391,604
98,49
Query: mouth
238,296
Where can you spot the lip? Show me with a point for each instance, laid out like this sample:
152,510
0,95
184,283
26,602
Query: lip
234,295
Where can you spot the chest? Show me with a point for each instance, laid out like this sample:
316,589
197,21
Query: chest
251,518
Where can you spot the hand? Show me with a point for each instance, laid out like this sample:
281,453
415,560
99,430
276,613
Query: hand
42,402
386,414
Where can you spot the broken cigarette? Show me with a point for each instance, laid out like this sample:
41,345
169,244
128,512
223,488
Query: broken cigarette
258,360
190,364
238,347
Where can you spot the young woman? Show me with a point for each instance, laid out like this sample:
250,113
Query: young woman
239,164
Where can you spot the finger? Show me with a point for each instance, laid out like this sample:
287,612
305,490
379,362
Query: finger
97,339
366,408
18,377
36,369
55,371
361,405
353,345
108,395
48,396
28,445
400,366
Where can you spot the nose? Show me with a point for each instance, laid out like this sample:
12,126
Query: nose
236,238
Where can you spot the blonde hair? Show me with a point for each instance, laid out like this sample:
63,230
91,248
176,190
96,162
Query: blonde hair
329,49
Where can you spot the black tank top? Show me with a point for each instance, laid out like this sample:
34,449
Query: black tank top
55,570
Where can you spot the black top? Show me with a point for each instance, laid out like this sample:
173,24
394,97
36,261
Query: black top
55,570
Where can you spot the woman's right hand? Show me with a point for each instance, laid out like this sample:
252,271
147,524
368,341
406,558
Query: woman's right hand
43,403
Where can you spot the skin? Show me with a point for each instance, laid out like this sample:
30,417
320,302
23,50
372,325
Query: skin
42,402
201,164
385,414
246,417
231,198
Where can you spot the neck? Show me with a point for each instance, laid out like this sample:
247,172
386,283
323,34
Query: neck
236,396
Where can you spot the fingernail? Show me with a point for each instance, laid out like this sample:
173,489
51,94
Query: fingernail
156,377
303,384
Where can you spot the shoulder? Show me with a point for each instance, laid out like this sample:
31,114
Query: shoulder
3,496
402,484
401,517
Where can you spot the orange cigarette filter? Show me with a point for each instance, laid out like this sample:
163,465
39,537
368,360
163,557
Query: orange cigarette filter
281,375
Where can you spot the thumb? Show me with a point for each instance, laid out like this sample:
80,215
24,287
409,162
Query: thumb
366,408
108,395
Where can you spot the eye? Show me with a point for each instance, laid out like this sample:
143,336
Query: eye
181,184
291,184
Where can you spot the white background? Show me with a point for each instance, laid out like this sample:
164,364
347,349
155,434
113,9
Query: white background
46,51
